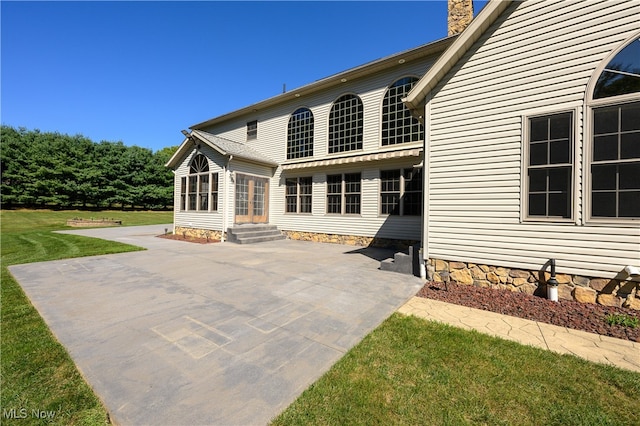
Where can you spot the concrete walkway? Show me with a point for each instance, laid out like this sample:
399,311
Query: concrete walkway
593,347
191,334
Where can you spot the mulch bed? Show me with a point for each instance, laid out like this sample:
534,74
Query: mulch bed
188,239
564,313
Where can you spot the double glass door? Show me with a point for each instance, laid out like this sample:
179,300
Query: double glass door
252,196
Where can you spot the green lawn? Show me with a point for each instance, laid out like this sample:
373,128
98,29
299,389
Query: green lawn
408,371
411,371
37,372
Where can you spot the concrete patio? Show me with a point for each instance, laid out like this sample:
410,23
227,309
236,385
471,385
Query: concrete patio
192,334
186,333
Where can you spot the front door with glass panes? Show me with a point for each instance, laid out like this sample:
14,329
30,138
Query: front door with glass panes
252,196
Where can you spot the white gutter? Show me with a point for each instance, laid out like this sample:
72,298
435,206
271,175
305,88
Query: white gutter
226,197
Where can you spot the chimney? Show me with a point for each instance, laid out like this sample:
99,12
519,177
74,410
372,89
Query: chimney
460,15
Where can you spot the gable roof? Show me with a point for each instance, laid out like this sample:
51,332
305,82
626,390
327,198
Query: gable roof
425,50
415,100
225,147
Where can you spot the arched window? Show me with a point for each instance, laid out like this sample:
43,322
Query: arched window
614,152
199,164
300,134
398,125
345,124
199,190
621,75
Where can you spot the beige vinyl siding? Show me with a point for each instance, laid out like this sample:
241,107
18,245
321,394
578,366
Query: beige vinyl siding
272,141
202,220
272,123
537,58
368,223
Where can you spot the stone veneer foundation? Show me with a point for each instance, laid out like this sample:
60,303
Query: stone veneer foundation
352,240
198,233
603,291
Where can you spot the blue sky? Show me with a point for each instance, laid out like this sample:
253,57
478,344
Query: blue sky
139,72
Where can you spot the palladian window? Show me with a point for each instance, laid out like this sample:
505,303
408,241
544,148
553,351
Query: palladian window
614,169
199,190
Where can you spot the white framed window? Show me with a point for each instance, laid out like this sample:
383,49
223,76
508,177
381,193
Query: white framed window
398,124
346,121
549,167
612,148
344,193
401,192
298,194
214,192
199,190
183,193
252,130
615,162
300,134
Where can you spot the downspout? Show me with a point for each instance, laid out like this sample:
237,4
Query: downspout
423,268
424,225
173,231
226,197
552,283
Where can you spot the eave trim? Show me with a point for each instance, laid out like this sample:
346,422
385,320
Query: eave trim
415,100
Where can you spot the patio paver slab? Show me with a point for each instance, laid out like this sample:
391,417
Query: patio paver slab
186,333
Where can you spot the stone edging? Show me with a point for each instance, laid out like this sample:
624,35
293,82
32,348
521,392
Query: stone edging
198,233
352,240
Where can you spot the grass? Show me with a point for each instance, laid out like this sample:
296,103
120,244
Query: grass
37,372
411,371
408,371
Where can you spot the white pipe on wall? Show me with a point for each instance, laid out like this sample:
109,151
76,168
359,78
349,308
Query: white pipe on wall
226,198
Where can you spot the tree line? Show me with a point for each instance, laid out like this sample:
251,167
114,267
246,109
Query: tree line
45,169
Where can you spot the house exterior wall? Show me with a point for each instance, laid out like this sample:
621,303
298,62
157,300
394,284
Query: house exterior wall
272,141
199,219
369,223
537,58
193,222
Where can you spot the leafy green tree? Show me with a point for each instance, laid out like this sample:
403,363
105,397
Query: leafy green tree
13,167
61,170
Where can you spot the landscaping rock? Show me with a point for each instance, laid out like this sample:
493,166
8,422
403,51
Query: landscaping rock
584,295
609,300
564,313
462,276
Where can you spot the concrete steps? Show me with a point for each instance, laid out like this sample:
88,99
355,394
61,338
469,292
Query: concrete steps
404,263
249,234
